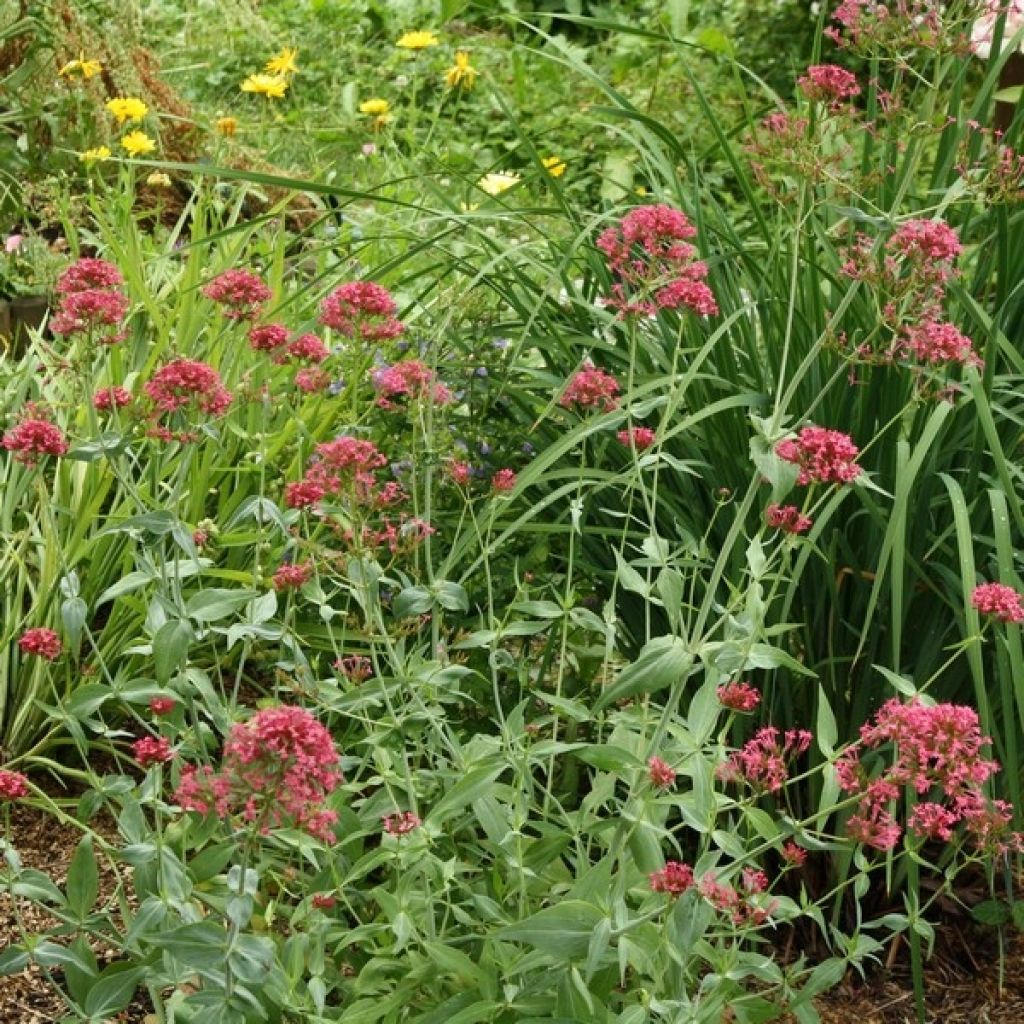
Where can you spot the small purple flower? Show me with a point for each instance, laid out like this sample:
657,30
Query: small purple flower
480,371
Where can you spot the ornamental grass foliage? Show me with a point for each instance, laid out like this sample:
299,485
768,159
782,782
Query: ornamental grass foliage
533,608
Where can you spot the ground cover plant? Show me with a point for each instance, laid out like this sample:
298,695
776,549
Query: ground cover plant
517,581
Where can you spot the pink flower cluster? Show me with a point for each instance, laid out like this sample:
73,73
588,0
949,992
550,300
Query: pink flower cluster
824,456
674,878
239,293
13,785
763,762
743,905
400,823
939,343
739,696
186,386
787,518
42,642
1000,601
90,301
828,83
409,380
345,465
868,26
277,770
151,750
290,577
661,774
363,311
111,398
640,438
356,668
590,388
33,438
937,753
652,261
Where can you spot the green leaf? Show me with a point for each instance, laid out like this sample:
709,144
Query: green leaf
474,785
13,960
211,605
412,601
562,931
662,662
992,912
607,758
83,884
826,731
452,596
114,990
170,648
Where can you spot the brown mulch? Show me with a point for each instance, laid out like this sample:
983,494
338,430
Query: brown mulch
47,845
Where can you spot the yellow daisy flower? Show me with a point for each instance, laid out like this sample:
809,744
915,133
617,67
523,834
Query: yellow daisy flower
159,180
226,126
127,108
138,143
376,107
86,68
91,156
497,182
419,40
271,86
554,165
283,63
462,73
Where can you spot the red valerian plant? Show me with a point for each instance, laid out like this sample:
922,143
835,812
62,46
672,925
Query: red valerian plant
277,770
763,762
1000,601
824,456
640,438
590,388
787,518
661,773
400,823
828,83
13,785
42,642
652,262
151,750
362,310
739,696
239,293
33,438
937,755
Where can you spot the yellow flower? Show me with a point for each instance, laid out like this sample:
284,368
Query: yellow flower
138,143
283,63
554,165
91,156
271,86
127,108
83,67
462,73
497,182
376,107
417,40
159,180
226,126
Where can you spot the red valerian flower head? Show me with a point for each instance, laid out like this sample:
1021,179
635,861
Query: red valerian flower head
938,343
400,823
88,273
460,473
161,706
240,293
185,384
111,398
738,696
289,577
787,518
268,337
361,310
312,380
590,388
42,642
277,770
763,762
828,83
33,438
356,668
323,901
13,785
931,241
94,309
661,773
503,481
1000,601
640,438
824,456
793,855
307,348
674,878
407,380
151,750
